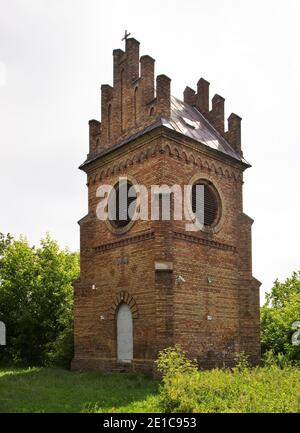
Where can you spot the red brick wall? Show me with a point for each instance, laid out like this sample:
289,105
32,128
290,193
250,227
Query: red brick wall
167,311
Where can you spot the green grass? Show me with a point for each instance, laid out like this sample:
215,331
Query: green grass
57,390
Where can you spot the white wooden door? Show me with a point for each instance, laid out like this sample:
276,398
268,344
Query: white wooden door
124,334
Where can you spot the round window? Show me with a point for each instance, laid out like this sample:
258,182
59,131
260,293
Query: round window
205,203
121,204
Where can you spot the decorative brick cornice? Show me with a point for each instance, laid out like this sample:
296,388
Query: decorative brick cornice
125,241
175,149
207,242
120,298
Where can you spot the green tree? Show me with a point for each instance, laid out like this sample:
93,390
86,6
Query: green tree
281,310
5,241
36,299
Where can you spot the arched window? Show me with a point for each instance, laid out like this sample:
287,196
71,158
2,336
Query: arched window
124,334
151,111
122,100
109,122
135,104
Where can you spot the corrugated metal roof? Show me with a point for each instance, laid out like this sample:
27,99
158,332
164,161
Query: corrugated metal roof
190,122
186,120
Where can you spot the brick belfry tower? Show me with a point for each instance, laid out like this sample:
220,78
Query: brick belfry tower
149,284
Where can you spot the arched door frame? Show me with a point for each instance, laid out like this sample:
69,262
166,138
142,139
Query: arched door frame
119,335
123,297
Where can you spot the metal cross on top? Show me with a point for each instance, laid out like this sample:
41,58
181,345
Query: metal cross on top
126,36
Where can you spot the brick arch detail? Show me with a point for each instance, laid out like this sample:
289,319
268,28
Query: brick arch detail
126,298
172,151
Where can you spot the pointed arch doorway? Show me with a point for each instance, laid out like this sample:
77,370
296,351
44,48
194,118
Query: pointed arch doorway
124,334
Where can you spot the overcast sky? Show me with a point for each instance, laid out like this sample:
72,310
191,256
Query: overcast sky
55,54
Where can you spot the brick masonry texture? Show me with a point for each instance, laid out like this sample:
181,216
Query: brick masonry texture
119,267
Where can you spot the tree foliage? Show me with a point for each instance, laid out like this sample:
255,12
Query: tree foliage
5,241
36,298
281,310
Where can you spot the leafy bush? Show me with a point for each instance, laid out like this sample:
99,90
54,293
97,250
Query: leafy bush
241,361
173,360
36,300
186,389
280,360
178,377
